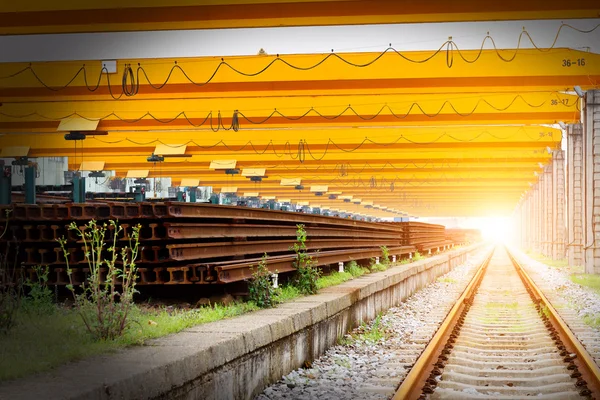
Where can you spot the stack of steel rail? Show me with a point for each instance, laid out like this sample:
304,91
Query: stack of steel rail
463,236
425,237
193,243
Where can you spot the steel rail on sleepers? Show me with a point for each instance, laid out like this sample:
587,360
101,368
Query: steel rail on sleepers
585,363
416,380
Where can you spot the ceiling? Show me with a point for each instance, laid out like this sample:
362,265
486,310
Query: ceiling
446,133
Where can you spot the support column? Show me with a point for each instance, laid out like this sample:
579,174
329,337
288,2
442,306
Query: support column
548,210
575,194
558,207
542,214
528,222
591,150
537,209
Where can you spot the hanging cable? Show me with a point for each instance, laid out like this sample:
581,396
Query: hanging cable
130,83
348,110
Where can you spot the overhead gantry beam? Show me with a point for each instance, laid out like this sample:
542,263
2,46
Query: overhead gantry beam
40,16
447,71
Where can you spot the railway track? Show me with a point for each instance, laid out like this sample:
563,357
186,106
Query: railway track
502,340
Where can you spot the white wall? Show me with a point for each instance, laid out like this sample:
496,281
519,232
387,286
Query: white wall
50,170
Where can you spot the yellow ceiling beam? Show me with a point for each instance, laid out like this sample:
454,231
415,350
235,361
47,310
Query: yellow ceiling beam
244,139
449,157
258,108
391,73
68,16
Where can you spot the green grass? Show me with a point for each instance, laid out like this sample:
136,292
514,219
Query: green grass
335,278
587,280
493,304
446,280
41,342
592,320
562,263
287,293
351,270
372,333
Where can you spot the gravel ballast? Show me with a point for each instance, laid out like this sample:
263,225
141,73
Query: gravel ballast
372,369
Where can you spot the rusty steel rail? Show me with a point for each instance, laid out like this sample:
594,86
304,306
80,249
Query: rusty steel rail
191,251
411,387
195,231
585,363
179,242
418,377
235,272
210,211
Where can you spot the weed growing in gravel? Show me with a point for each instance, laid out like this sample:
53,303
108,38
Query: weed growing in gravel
562,263
587,280
342,362
592,320
371,333
493,304
446,280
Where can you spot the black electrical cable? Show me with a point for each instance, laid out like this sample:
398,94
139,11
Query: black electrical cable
130,83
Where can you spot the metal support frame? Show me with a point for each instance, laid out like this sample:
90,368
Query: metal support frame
78,189
5,184
30,185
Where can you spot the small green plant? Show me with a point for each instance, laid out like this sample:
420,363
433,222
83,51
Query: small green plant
591,281
307,273
104,308
287,292
39,296
417,256
374,267
354,269
371,333
385,256
446,280
10,293
592,320
261,289
334,278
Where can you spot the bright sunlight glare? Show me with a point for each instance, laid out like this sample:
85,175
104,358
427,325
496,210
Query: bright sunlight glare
497,229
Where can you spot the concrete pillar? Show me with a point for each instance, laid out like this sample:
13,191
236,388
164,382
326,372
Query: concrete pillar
558,206
591,150
527,223
524,222
575,194
537,211
542,214
548,210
